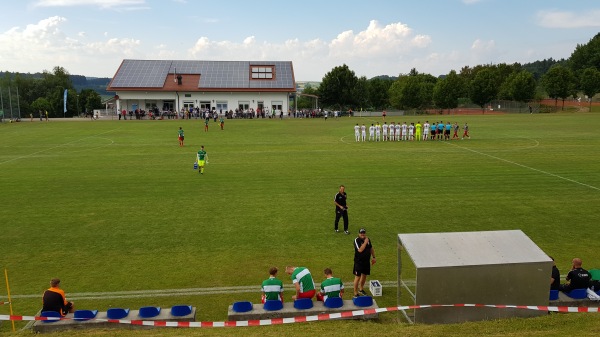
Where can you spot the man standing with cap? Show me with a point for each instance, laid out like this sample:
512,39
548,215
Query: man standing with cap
363,250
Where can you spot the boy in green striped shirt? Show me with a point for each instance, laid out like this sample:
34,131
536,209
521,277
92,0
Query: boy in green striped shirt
272,288
331,287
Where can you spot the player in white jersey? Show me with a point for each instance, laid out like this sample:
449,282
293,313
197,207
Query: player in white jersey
357,132
411,131
426,130
398,132
377,132
385,131
392,129
371,132
363,133
404,131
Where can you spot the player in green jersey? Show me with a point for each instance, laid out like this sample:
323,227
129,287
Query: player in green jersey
202,157
331,287
180,136
272,288
303,281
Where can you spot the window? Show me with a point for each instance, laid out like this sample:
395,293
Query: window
277,106
243,105
262,72
221,105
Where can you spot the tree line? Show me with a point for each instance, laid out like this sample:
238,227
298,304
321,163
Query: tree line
342,90
45,93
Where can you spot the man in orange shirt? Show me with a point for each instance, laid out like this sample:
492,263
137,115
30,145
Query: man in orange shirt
54,299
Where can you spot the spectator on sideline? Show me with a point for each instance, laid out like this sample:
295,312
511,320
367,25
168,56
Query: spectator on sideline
577,278
555,278
54,299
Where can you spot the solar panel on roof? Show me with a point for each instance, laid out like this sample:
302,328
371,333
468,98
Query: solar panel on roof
142,73
214,74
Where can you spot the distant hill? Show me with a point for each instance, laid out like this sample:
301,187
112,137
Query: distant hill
97,84
80,82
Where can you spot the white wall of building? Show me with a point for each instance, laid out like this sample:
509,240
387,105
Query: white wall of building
130,100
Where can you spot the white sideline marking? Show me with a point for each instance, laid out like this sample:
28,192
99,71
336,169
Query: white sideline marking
57,146
178,292
525,166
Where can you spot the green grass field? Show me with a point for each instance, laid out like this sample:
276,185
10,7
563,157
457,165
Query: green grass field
115,206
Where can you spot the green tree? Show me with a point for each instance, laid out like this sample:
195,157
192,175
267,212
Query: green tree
519,86
361,90
307,102
89,100
447,91
378,93
586,55
40,104
559,82
338,88
590,83
54,84
483,88
414,91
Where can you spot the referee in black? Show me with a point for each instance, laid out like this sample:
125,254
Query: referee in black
341,209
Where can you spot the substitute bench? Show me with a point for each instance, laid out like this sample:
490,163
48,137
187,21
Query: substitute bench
288,310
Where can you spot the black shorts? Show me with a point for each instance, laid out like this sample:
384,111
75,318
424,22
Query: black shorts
362,268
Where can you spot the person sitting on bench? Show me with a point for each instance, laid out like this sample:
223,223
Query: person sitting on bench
272,288
330,287
54,299
302,280
577,278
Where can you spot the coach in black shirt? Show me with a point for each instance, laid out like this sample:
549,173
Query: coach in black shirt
363,251
341,209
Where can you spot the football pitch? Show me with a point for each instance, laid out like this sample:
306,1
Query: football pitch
116,211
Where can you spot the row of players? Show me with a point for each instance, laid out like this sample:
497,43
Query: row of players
413,131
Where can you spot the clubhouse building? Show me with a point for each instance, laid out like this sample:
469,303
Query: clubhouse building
221,86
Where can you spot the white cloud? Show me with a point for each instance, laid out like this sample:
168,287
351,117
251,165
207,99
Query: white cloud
375,41
367,52
470,2
376,50
564,19
479,46
48,46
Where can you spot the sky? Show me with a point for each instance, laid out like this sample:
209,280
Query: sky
375,37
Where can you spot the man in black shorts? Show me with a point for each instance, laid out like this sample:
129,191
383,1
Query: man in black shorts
341,209
363,250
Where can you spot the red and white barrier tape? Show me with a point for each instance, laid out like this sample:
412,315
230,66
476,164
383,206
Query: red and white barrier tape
3,303
300,319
